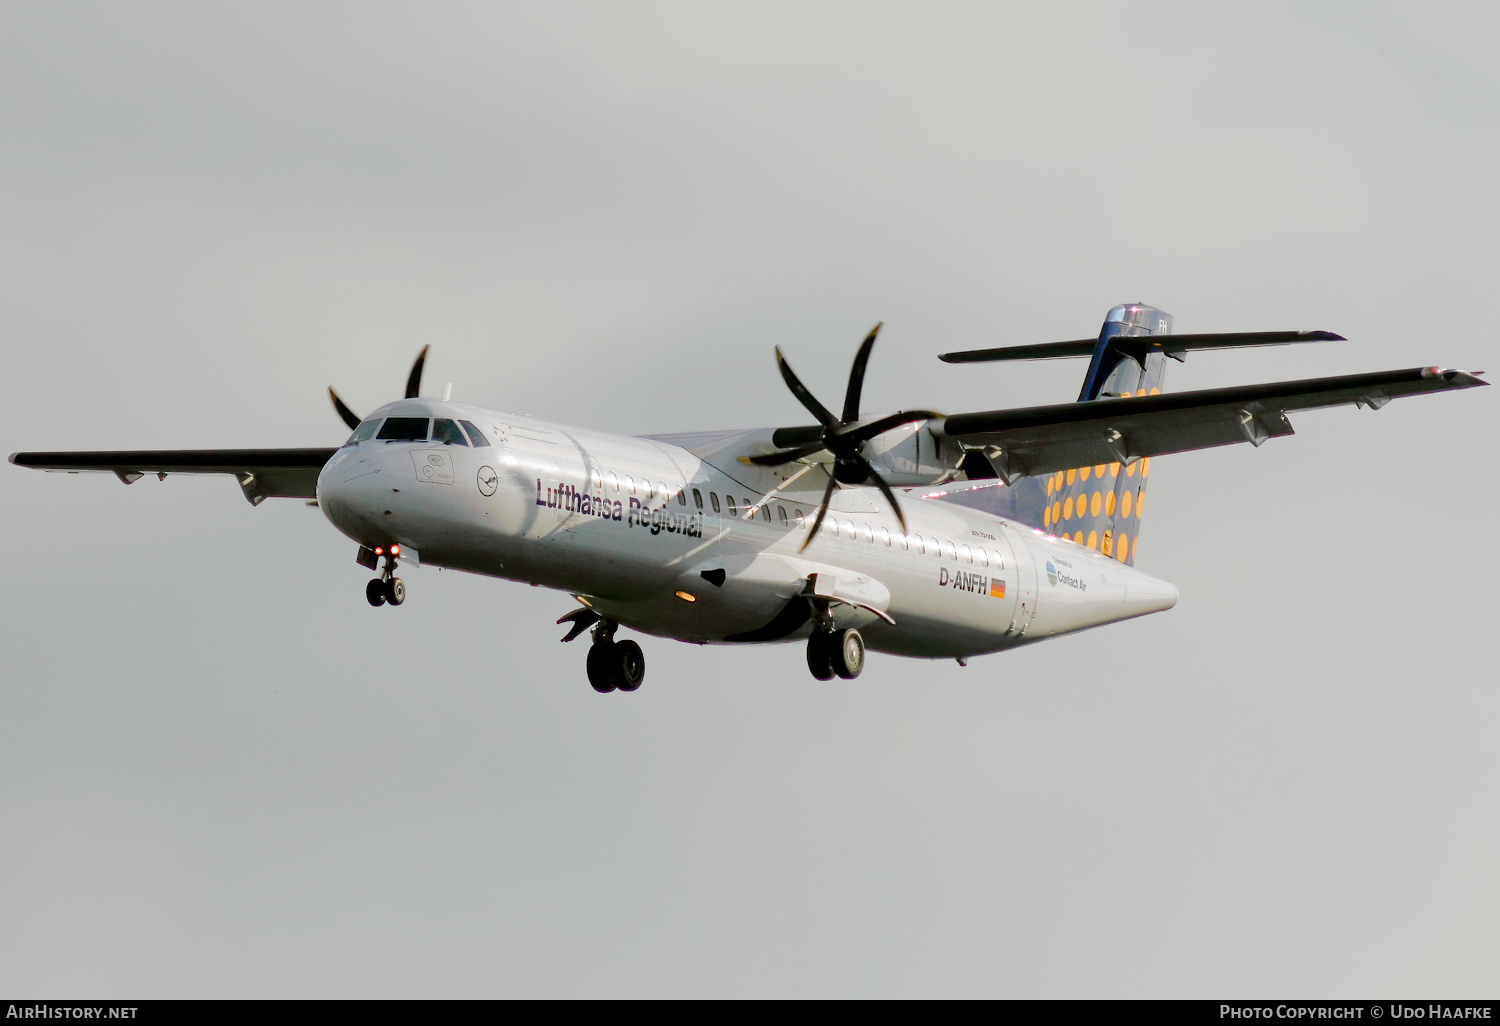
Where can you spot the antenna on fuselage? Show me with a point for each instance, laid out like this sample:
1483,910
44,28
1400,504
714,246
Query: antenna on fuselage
448,391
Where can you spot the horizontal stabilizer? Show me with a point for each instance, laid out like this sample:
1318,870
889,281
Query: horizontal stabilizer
261,473
1175,346
1043,439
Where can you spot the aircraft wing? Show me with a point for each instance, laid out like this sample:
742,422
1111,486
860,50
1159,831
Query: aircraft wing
261,473
1042,439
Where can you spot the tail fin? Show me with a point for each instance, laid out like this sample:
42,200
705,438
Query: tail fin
1101,506
1098,506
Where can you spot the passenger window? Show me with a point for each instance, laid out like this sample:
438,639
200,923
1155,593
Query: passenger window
833,525
849,526
797,515
664,492
885,536
781,515
404,429
713,498
646,489
729,500
477,436
951,550
765,512
447,432
364,432
916,540
614,482
968,555
682,498
749,506
697,498
984,557
630,483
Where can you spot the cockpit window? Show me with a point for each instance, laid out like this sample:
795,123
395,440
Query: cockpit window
404,429
475,435
447,432
365,431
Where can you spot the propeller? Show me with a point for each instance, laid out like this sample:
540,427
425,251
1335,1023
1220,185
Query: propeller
844,436
413,386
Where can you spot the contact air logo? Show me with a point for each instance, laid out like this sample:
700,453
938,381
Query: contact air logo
1060,572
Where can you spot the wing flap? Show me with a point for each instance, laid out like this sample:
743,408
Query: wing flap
261,473
1043,439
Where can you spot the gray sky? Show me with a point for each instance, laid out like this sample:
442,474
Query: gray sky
222,773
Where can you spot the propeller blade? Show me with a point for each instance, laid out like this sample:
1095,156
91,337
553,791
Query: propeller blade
804,397
885,490
857,375
414,381
776,459
350,417
856,433
822,512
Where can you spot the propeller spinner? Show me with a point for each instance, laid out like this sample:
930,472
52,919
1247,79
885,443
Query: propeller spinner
413,386
844,436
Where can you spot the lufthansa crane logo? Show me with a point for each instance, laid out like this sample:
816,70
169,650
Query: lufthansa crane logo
488,480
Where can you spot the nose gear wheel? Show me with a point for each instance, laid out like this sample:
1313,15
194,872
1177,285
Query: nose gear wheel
387,588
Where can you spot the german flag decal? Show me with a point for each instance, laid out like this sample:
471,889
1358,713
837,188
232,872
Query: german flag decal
997,588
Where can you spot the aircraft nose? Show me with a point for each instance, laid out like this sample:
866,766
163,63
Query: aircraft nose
351,489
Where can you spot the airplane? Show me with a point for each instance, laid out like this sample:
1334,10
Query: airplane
1010,527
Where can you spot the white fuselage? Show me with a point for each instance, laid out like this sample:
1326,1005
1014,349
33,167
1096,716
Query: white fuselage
617,521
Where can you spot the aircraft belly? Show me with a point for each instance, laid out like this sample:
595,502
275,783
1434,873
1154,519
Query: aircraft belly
734,592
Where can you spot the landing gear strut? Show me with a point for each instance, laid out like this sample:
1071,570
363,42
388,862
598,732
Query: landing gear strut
614,665
835,653
387,587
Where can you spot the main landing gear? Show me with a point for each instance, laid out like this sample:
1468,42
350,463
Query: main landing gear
387,587
833,653
614,665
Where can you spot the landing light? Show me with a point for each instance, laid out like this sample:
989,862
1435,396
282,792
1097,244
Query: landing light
395,550
379,550
686,596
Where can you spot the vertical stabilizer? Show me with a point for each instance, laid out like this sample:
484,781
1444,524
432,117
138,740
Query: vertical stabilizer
1101,506
1098,506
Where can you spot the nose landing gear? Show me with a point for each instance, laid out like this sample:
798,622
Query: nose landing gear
387,588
